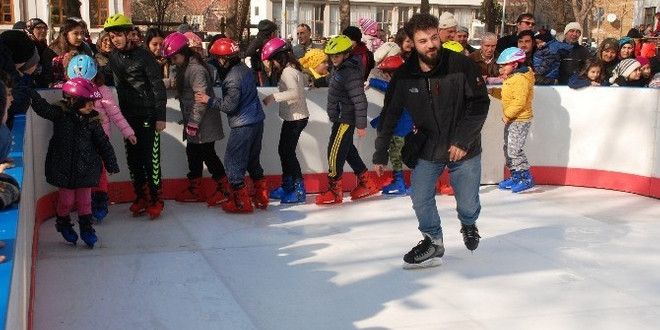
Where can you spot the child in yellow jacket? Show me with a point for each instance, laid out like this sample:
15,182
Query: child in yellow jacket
517,95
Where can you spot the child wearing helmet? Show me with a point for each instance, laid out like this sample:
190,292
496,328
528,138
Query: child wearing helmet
404,126
517,95
293,110
73,162
142,100
240,101
347,109
203,126
84,66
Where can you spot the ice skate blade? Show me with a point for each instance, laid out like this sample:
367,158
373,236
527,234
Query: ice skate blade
433,262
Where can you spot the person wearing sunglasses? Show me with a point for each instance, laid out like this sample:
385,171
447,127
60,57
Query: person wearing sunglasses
524,22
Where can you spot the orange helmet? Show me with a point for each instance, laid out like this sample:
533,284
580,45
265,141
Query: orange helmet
224,47
391,63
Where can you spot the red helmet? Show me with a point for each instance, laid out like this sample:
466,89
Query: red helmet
82,88
391,63
274,46
224,47
173,43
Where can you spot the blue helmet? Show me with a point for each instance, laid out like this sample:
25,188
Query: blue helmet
510,55
81,66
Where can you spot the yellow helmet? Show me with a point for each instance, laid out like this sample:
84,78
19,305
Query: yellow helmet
454,46
117,22
338,45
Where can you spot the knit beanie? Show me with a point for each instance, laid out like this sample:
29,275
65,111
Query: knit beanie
624,68
643,61
573,26
265,27
447,20
626,40
353,33
368,26
32,23
543,35
609,43
313,58
463,29
386,50
18,41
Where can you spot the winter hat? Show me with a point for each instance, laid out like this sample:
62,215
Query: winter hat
634,33
626,40
368,26
353,33
573,26
33,22
20,25
386,50
16,41
266,27
624,68
643,61
313,58
543,35
609,43
463,29
447,20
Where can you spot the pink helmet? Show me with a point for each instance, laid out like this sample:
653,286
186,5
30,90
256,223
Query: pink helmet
274,46
173,43
82,88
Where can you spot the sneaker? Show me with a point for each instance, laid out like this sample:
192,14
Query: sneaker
470,236
427,253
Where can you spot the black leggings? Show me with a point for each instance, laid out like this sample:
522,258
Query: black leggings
289,137
200,154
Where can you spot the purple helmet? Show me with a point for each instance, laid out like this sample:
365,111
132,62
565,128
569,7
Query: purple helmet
173,43
82,88
272,47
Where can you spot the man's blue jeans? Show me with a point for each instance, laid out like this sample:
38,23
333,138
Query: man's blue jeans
465,177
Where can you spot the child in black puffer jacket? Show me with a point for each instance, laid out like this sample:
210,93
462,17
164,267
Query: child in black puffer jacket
73,162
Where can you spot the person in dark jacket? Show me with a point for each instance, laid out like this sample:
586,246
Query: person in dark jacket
360,50
347,109
264,75
73,161
37,30
525,22
573,60
447,100
142,100
241,103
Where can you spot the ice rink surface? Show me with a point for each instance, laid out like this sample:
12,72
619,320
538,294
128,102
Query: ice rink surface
553,258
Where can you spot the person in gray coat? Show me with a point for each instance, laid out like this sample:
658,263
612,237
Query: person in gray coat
202,127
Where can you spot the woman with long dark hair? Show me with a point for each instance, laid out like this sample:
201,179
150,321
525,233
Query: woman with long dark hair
71,39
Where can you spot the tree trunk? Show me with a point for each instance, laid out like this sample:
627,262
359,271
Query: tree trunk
424,7
489,14
344,14
531,6
582,9
72,8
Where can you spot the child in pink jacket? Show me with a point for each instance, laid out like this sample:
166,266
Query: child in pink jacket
84,66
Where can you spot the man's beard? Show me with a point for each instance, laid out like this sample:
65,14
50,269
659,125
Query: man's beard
429,60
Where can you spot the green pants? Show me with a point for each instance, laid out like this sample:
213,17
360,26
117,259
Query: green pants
396,144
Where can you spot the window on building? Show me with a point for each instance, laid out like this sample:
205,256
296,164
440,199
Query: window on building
98,12
7,11
317,25
334,20
256,11
57,16
384,18
649,15
404,15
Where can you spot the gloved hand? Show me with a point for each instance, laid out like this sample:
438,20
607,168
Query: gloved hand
191,129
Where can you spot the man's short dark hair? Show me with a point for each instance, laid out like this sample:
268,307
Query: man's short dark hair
525,15
526,33
305,26
420,22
